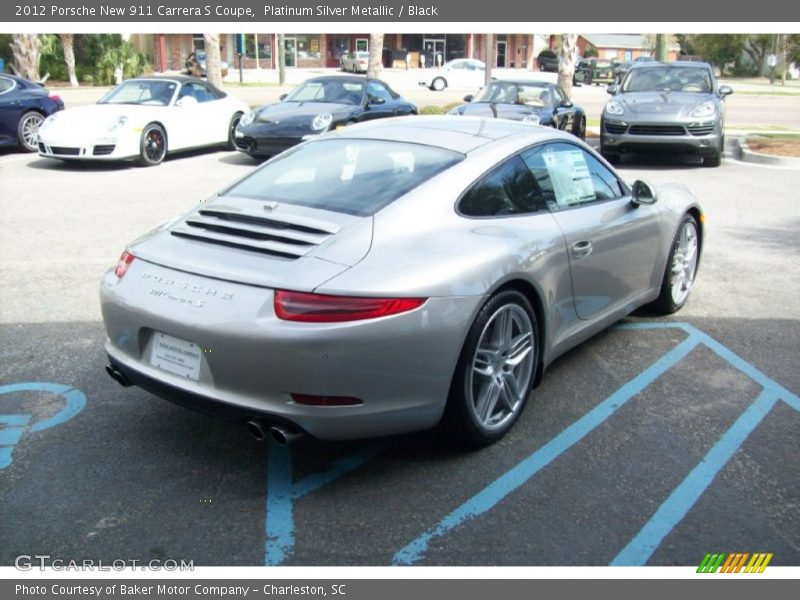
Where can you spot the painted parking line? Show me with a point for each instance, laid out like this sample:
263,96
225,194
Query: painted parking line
13,427
282,491
524,471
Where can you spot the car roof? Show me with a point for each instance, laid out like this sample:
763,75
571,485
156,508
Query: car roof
460,134
516,81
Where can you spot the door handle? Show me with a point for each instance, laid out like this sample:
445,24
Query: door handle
581,249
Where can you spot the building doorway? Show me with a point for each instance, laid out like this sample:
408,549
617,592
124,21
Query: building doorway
434,49
290,51
501,54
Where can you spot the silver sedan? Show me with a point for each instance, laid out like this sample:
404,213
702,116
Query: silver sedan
388,276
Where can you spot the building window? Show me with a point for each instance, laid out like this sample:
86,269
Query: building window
198,42
264,46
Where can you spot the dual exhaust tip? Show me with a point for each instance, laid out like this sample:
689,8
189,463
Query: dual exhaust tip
260,430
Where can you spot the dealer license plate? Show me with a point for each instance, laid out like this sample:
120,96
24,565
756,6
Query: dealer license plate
176,356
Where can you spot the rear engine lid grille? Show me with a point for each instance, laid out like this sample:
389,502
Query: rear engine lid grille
285,236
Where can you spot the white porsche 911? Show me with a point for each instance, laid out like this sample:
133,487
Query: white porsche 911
144,119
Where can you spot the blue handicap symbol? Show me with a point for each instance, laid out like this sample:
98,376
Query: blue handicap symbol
12,427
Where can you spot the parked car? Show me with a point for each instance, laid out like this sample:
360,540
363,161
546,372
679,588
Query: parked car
547,61
459,73
196,65
535,102
315,106
144,119
24,105
355,62
666,107
386,276
597,71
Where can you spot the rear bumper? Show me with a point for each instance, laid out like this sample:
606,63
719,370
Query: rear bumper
400,367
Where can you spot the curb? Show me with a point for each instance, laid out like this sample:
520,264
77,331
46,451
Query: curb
741,152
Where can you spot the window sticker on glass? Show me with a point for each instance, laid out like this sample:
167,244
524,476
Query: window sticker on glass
569,173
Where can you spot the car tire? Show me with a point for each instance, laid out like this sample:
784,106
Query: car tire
152,145
438,84
579,130
681,269
495,372
231,143
715,159
27,131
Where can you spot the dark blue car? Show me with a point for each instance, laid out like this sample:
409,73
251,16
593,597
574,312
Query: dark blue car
24,105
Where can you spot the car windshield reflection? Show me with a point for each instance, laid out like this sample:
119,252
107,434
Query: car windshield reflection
668,79
330,91
500,92
145,92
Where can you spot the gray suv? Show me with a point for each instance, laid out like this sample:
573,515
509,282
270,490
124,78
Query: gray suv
665,107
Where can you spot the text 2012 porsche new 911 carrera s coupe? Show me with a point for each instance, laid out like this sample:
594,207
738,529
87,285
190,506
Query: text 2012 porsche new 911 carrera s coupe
386,276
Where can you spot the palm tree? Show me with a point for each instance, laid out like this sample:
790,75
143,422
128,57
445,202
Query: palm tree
69,57
213,59
375,54
566,61
26,48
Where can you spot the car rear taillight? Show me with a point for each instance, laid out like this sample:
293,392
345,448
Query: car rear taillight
321,308
123,264
311,400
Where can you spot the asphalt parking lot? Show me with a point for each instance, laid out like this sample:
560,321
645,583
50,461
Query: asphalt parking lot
654,443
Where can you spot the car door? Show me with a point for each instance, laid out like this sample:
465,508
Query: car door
10,110
197,118
380,103
612,243
563,110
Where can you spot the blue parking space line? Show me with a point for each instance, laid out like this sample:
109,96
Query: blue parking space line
281,491
683,498
525,470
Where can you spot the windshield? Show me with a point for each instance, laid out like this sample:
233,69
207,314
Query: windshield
357,177
504,92
668,79
328,90
151,92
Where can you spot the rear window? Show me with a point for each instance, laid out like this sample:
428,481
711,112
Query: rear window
357,177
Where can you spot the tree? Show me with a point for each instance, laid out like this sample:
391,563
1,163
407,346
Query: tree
375,55
662,47
26,48
719,49
757,48
489,58
281,59
213,59
69,57
567,55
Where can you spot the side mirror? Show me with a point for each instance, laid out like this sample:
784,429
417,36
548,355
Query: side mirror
725,90
186,101
282,97
565,103
643,193
375,100
611,88
468,98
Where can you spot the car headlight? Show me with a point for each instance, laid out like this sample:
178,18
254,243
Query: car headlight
48,121
614,108
117,123
322,121
248,118
706,109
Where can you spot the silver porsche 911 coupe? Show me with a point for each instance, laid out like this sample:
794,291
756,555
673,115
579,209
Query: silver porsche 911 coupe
387,276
